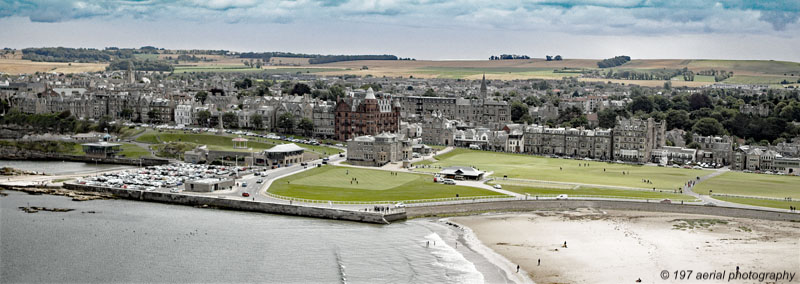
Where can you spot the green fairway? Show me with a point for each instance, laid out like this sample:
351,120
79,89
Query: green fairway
750,184
760,202
565,170
334,183
599,192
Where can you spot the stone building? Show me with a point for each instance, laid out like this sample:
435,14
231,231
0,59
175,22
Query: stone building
634,139
378,150
367,116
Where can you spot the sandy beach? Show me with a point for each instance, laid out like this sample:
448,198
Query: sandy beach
623,246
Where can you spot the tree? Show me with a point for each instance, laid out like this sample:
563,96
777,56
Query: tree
201,97
306,125
230,120
152,116
642,103
126,113
336,92
286,122
203,117
548,58
300,89
246,83
698,101
429,93
256,121
518,110
708,127
607,118
557,58
678,119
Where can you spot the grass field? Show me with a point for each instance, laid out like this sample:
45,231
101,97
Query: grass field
19,66
762,79
600,192
133,151
750,184
760,202
333,183
146,56
541,168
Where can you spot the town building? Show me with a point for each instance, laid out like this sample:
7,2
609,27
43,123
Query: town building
365,116
378,150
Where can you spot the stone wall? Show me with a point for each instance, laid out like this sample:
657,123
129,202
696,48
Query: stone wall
531,205
244,205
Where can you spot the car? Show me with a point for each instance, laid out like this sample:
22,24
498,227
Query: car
399,205
259,181
562,197
666,201
497,186
244,184
245,194
709,204
448,181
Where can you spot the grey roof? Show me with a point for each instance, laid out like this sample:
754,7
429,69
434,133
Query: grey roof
459,170
282,148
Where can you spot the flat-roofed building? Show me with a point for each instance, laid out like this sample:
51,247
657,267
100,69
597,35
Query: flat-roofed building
101,149
208,184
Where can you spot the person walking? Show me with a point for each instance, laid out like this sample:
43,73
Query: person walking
539,263
517,268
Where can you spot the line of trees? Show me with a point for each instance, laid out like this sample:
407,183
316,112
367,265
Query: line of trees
613,62
66,54
337,58
140,65
508,56
551,58
666,74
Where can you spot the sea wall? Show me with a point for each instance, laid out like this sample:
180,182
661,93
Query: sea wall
244,205
531,205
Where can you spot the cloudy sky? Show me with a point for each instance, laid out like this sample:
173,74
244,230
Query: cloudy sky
423,29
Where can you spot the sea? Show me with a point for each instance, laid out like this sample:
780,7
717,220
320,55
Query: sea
113,241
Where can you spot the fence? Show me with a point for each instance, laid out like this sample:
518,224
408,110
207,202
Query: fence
788,199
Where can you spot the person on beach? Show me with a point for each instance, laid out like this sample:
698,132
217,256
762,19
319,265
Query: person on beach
539,263
517,268
565,244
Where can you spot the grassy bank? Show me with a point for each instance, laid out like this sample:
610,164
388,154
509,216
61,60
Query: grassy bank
750,184
600,192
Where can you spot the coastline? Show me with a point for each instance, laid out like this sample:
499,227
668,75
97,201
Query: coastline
603,246
493,267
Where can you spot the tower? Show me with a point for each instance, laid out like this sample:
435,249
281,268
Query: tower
131,75
483,87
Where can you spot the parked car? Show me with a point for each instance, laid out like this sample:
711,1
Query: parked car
245,194
259,181
399,205
666,201
244,184
448,181
497,186
562,197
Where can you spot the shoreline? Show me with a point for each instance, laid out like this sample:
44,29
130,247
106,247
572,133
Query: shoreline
604,245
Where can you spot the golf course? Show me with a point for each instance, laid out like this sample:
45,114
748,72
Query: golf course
750,184
564,170
357,184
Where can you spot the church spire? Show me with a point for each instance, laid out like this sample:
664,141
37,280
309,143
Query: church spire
483,87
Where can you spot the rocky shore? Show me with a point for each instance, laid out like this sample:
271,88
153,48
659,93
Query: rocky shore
8,171
74,194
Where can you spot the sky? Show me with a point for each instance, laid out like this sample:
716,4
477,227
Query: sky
422,29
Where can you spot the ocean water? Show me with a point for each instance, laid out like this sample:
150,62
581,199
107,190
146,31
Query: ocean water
130,241
58,167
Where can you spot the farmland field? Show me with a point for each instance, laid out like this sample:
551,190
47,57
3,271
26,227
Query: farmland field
17,66
335,183
565,170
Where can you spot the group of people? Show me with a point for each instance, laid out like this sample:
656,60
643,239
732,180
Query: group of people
647,181
792,208
354,180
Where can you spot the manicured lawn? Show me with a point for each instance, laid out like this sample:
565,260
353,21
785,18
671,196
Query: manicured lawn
133,151
600,192
760,202
333,183
751,184
566,170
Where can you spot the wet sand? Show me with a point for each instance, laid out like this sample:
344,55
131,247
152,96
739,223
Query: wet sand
623,246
